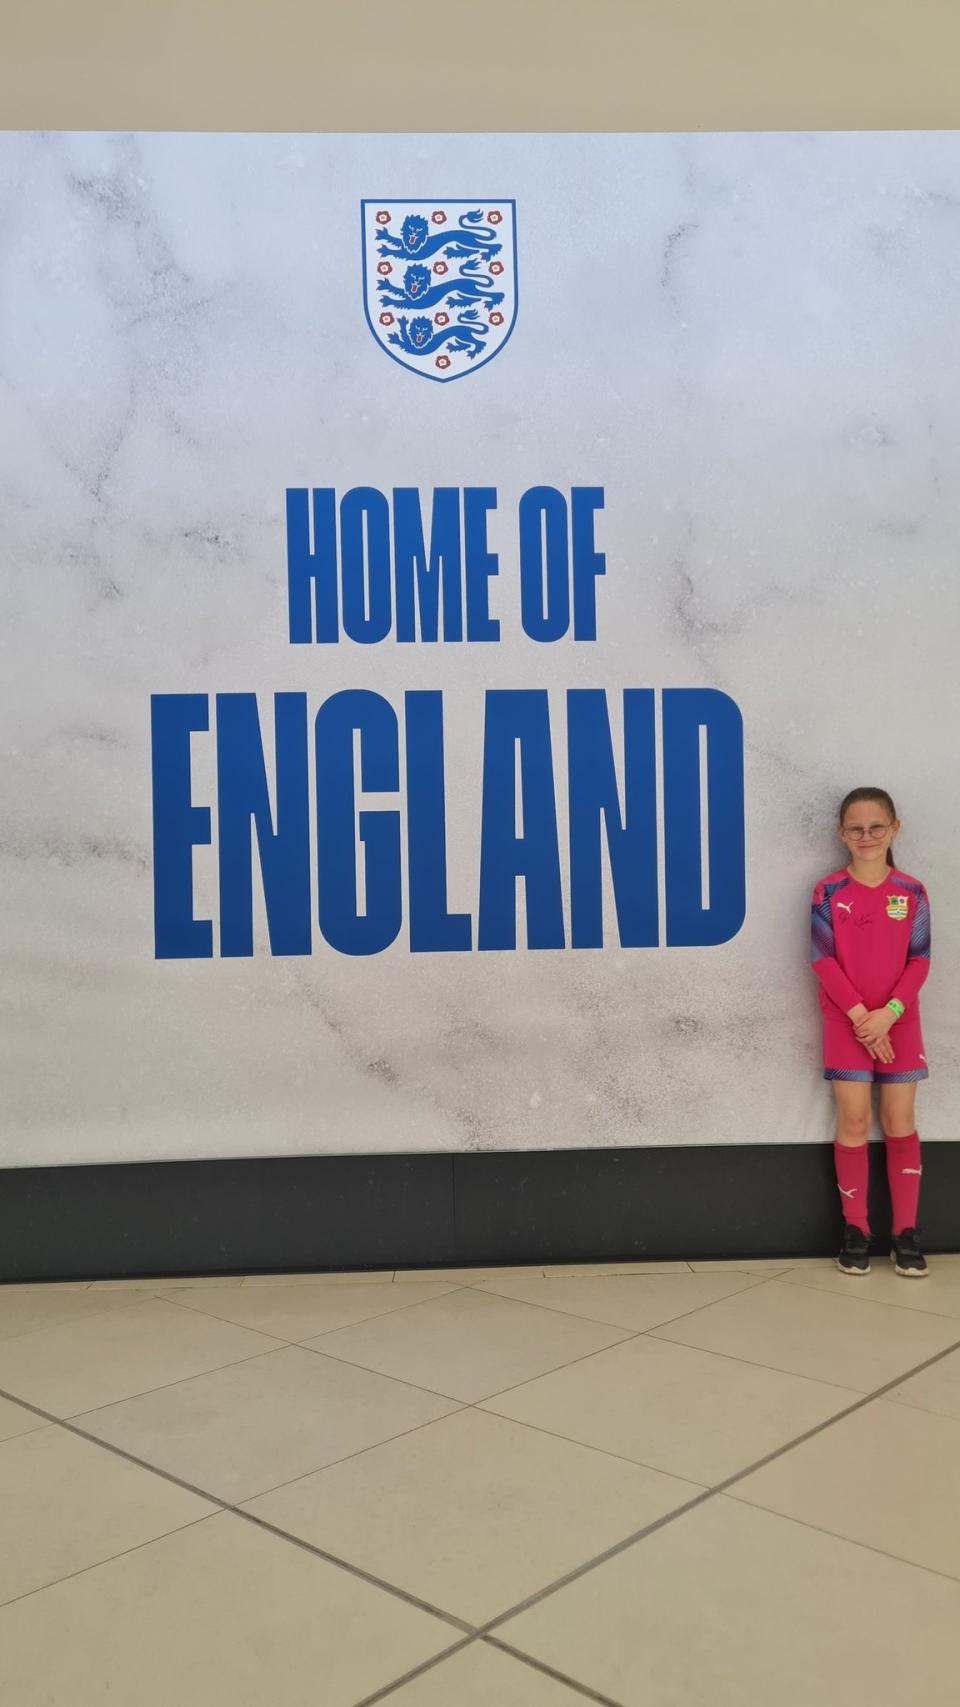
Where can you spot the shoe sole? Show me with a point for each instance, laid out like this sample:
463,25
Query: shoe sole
908,1273
858,1272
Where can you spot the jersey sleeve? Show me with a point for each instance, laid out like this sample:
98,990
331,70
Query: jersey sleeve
915,972
823,954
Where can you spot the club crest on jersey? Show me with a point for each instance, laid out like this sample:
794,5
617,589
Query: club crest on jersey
440,282
897,906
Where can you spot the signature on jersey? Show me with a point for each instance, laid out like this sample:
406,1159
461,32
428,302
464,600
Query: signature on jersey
861,920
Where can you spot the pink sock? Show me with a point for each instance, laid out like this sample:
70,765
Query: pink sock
851,1165
903,1173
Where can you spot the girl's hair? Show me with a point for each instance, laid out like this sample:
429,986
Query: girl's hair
882,798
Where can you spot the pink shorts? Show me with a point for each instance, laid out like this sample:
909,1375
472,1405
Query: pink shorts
847,1060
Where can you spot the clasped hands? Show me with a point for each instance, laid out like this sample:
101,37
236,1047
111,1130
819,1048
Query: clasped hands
870,1027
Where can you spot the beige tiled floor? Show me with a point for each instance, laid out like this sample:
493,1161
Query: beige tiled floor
620,1483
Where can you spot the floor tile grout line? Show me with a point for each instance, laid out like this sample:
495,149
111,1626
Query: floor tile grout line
502,1298
487,1274
759,1279
925,1410
245,1516
461,1409
483,1633
342,1327
406,1595
654,1331
320,1277
415,1672
626,1333
598,1322
529,1660
611,1552
779,1368
542,1594
712,1493
272,1351
588,1446
862,1298
626,1336
459,1404
630,1338
333,1463
124,1553
746,1362
181,1381
335,1357
314,1351
837,1535
238,1508
173,1282
551,1671
136,1303
505,1298
51,1327
858,1404
36,1428
513,1612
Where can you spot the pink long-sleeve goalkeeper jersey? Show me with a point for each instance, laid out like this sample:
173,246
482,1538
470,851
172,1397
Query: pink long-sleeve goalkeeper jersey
868,945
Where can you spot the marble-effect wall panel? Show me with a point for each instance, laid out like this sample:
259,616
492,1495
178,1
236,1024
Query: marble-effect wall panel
752,343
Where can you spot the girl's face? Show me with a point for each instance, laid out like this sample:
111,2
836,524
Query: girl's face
867,831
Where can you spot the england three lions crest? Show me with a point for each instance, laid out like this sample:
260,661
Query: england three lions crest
440,282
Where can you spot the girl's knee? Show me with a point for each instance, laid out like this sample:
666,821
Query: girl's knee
897,1116
853,1130
853,1112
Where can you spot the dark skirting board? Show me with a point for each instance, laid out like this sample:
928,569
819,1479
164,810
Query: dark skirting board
328,1212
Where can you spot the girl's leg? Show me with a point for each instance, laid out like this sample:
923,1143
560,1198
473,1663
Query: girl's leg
850,1150
897,1104
904,1168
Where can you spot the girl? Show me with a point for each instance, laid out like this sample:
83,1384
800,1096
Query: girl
870,950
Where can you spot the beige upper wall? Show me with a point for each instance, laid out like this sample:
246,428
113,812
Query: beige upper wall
494,65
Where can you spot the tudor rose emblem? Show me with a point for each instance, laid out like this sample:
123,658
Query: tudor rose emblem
440,281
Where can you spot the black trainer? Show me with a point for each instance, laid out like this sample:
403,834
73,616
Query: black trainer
907,1256
854,1255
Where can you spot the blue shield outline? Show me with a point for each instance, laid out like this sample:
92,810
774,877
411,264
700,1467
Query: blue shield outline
445,202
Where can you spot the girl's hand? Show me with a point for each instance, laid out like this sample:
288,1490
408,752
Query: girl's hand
883,1051
874,1028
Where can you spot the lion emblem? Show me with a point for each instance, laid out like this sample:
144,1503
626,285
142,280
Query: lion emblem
440,282
419,290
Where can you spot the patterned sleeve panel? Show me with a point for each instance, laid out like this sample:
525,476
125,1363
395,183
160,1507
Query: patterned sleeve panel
920,929
914,974
822,942
823,951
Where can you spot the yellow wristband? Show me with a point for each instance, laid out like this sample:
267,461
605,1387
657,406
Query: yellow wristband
896,1007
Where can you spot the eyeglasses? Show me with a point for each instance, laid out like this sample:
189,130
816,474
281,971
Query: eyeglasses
857,832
